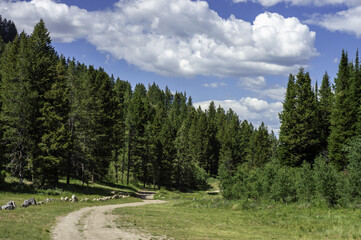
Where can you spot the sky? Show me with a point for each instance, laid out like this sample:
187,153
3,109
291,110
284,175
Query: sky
237,53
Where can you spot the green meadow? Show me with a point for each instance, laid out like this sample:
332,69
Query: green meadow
36,222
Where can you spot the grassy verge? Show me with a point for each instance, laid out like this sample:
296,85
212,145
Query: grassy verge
35,222
220,219
211,193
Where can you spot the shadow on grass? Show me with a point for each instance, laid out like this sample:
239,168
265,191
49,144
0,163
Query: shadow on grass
117,185
56,189
15,187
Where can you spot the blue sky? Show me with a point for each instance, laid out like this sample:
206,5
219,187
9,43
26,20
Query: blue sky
237,53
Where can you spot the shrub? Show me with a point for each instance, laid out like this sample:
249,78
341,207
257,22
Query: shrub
353,172
305,183
284,187
326,178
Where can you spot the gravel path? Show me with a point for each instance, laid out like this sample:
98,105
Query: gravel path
96,223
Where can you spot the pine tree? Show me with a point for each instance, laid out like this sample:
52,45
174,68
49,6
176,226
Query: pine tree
139,121
325,107
119,124
230,152
288,121
341,114
260,147
167,138
8,30
154,143
128,128
247,131
56,140
214,145
42,76
17,108
307,142
298,135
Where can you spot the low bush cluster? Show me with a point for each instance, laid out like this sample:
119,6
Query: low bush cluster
320,182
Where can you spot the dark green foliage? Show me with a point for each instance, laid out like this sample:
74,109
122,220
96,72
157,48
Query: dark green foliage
283,188
230,138
342,115
326,179
17,109
288,184
287,119
8,30
260,146
324,111
353,171
305,183
299,134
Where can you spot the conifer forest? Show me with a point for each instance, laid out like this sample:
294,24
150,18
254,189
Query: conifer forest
62,119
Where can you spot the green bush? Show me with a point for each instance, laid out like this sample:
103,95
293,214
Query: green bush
318,184
353,172
326,178
305,183
268,176
284,188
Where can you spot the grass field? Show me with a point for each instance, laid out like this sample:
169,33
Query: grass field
189,220
187,215
205,215
35,222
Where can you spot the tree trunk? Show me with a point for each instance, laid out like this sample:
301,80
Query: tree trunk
123,167
20,173
129,155
116,173
68,170
116,165
82,173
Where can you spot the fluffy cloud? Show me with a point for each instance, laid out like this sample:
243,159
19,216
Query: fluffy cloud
344,21
252,109
176,37
215,84
258,85
252,82
268,3
276,92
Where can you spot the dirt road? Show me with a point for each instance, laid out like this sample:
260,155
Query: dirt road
96,223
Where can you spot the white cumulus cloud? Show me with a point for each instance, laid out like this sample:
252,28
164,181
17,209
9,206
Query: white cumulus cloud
344,21
215,84
252,82
268,3
176,37
253,110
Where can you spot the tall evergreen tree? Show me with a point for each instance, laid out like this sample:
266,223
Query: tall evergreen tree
260,147
341,114
119,124
56,140
230,152
325,107
8,30
307,141
298,135
288,121
42,77
138,110
17,98
213,143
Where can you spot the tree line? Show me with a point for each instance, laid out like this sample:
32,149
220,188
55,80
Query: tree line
60,118
318,153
